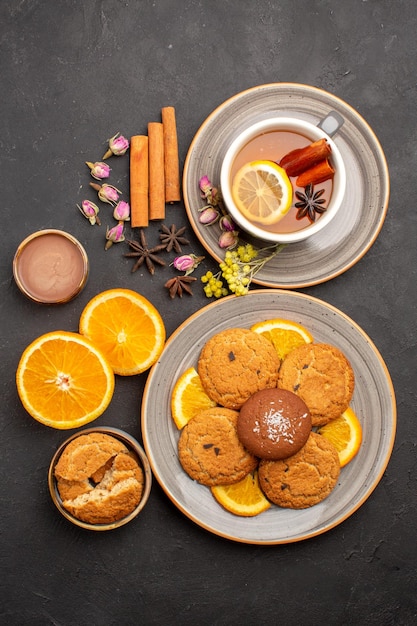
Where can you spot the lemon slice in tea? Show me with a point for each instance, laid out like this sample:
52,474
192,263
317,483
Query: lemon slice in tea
262,192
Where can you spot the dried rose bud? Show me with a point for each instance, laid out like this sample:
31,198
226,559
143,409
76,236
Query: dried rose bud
205,185
228,239
107,193
208,192
118,145
208,216
122,211
114,235
98,170
90,211
226,223
187,263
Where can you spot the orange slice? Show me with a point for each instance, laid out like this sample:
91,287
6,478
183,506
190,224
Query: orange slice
126,327
63,380
244,498
284,334
262,192
345,432
188,398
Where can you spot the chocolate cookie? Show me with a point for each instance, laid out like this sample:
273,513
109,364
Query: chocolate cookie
209,449
274,424
304,479
322,376
235,363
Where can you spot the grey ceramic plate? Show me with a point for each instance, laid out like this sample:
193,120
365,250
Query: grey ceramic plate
350,235
373,401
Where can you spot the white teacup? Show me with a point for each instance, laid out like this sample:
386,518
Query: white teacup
312,133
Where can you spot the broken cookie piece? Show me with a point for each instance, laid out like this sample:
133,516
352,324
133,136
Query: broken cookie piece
99,479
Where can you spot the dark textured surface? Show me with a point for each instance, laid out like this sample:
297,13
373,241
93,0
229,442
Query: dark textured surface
74,73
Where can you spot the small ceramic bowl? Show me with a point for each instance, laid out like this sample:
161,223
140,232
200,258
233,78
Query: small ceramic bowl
141,457
50,266
312,133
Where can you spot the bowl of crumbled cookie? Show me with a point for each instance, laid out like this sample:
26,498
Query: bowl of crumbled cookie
100,478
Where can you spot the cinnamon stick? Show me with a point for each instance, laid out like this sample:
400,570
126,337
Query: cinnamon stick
171,159
156,171
317,174
301,159
139,181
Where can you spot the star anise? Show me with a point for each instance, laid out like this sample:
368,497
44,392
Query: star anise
310,203
144,254
178,285
172,238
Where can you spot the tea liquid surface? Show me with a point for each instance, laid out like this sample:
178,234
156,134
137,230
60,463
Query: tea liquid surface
272,146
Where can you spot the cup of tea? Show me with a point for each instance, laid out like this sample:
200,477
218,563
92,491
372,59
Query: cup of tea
264,189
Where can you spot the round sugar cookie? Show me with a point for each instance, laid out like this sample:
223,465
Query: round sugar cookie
322,376
304,479
235,363
209,449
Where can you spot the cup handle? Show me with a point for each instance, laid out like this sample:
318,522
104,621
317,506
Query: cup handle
331,123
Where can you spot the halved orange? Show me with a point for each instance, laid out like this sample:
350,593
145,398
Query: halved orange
284,334
345,432
63,380
126,327
188,398
262,191
244,498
